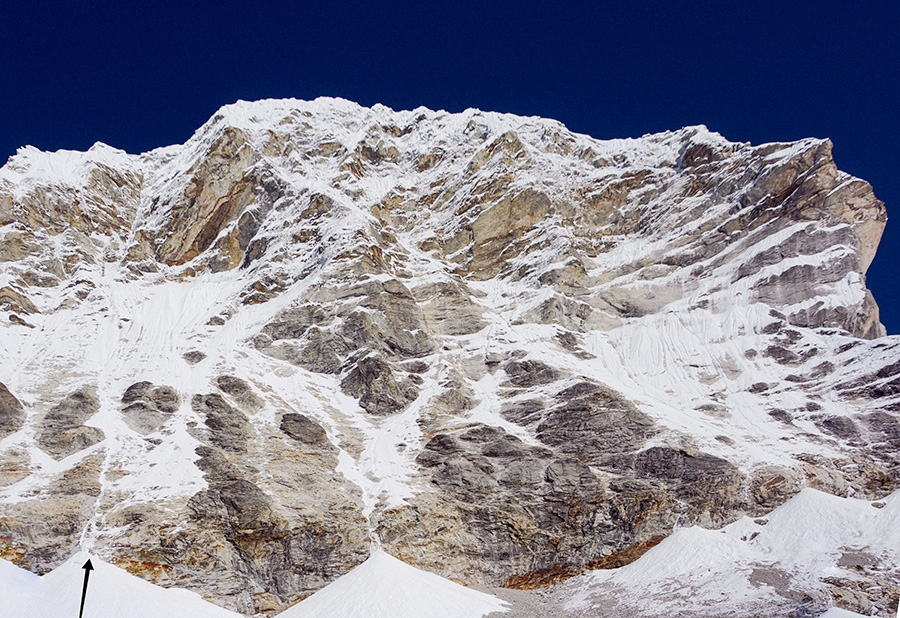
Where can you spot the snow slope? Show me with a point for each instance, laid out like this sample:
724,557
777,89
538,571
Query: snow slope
836,612
384,587
112,593
381,587
757,565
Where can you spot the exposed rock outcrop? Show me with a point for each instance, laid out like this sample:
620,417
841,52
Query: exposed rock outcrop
147,407
44,531
63,431
12,415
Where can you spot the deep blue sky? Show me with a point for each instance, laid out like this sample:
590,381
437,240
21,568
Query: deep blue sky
138,75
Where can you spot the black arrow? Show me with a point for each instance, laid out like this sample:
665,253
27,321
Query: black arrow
88,567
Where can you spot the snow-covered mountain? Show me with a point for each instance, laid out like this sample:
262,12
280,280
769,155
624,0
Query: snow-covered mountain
506,353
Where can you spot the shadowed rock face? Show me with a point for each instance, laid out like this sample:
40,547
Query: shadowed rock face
509,352
240,392
595,422
710,487
228,428
147,407
498,507
379,393
12,415
62,430
530,373
303,429
525,516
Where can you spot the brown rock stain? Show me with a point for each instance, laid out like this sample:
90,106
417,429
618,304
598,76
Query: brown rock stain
541,578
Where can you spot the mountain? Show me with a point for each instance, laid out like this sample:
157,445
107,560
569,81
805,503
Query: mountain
507,353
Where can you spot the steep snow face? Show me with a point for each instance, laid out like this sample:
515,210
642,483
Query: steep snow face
505,351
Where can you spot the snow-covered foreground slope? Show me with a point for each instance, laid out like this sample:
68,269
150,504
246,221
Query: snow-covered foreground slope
384,587
112,593
381,587
506,352
813,551
836,612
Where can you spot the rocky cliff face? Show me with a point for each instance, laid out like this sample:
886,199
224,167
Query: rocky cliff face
505,352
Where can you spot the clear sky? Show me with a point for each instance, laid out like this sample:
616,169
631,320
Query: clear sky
139,75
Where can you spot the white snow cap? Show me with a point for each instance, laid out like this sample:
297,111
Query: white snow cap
384,587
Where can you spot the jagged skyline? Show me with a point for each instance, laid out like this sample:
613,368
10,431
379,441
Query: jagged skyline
142,78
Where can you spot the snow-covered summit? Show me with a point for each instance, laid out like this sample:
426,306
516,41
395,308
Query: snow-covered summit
509,352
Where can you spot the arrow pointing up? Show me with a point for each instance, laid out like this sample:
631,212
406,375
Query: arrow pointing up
88,567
